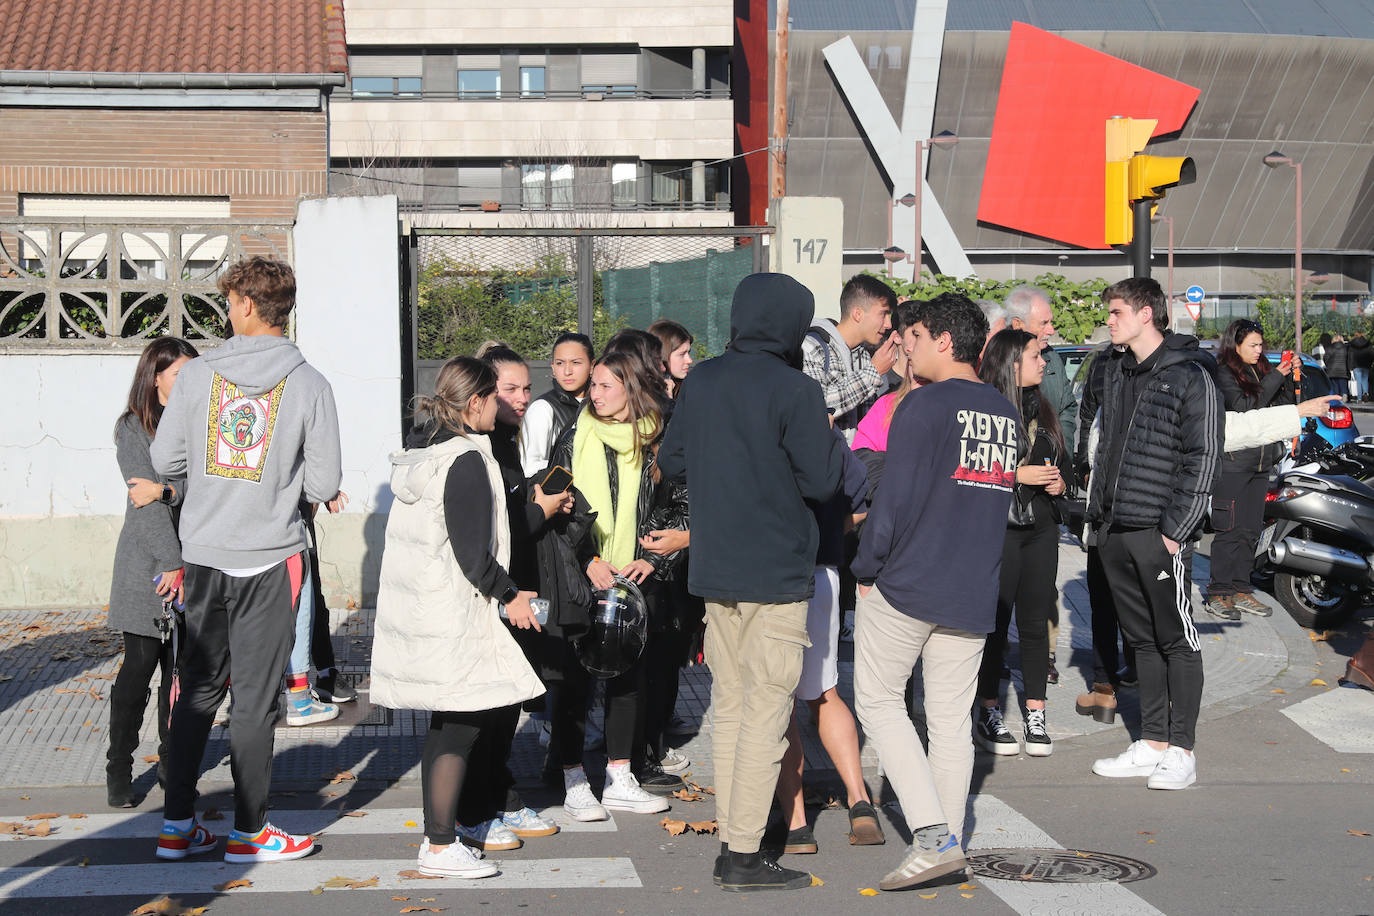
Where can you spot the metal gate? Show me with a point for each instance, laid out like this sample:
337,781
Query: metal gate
526,286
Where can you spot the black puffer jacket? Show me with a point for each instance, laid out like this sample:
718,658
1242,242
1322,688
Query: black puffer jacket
1338,360
1275,388
660,505
1171,453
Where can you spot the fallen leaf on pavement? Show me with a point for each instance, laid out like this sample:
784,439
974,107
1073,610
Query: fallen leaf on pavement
40,817
67,690
674,828
61,748
967,896
352,883
972,887
212,814
423,909
85,860
428,899
1317,682
402,899
152,758
230,885
1345,770
1144,832
687,795
411,824
166,906
816,882
1278,690
704,826
76,817
339,776
353,814
1358,832
929,896
1323,636
869,892
411,874
316,891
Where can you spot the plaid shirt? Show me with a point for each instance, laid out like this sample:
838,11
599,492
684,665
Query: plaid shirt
848,392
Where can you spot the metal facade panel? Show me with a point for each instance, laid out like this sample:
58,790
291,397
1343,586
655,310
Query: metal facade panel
1209,16
385,64
1086,15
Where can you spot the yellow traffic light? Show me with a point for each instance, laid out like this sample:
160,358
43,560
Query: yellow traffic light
1118,205
1150,176
1125,138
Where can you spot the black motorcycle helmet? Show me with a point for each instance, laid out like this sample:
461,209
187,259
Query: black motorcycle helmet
620,625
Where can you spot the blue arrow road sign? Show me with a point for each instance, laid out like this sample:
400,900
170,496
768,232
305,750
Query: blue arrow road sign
1195,293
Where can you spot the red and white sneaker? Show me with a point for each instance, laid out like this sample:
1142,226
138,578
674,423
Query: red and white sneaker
175,843
267,845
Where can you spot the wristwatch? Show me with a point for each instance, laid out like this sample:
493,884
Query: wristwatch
510,594
166,496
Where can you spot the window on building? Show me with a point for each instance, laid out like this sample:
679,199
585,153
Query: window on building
385,76
531,82
479,84
670,182
624,184
534,187
479,182
615,73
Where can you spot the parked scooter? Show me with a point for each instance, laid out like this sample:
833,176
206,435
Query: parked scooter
1320,543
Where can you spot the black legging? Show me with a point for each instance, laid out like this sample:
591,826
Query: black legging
129,698
443,766
679,615
1237,519
624,711
1030,560
489,789
321,647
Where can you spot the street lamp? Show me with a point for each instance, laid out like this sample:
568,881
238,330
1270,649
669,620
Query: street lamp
943,136
892,254
1274,160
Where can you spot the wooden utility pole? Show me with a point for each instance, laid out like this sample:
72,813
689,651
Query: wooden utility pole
777,176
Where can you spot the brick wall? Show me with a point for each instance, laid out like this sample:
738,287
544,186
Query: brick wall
263,161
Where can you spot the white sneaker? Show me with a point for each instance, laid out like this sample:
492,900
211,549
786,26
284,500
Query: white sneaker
489,835
1137,760
673,762
1177,769
527,823
623,793
453,861
578,801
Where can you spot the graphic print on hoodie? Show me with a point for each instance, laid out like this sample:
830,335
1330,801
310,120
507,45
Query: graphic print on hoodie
239,429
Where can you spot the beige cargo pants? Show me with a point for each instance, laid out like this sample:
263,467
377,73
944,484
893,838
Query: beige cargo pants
755,655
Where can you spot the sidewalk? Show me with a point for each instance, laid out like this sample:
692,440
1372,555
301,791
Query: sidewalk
59,665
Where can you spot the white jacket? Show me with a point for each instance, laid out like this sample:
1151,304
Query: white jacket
439,643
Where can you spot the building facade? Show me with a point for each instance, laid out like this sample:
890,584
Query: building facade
1293,76
523,114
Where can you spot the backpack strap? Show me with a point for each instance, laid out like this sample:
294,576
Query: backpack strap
821,339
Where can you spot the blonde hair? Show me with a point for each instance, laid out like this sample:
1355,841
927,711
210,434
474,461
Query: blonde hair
460,380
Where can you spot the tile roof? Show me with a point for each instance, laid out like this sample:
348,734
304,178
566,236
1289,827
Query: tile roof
173,36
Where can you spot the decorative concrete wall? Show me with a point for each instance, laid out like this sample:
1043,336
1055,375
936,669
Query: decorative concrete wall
61,496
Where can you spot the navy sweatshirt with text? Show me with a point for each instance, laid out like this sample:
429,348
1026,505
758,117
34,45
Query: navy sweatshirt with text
933,540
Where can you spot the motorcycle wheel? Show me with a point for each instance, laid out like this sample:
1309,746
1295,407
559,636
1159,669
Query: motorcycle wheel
1315,602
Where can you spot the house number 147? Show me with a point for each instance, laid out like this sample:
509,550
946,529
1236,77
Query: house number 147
813,249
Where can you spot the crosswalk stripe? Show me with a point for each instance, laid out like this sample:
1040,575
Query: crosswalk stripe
325,822
69,881
999,826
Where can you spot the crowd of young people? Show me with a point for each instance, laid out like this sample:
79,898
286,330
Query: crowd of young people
592,488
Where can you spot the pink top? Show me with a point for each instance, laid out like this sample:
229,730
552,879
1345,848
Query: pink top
871,432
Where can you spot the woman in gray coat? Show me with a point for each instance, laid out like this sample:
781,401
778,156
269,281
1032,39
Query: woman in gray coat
148,549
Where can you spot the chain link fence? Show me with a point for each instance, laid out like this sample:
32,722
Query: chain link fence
526,287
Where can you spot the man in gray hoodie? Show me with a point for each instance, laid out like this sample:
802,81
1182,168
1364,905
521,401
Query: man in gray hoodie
251,426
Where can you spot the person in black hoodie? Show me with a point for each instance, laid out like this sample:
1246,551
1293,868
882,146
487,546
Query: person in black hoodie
554,410
750,433
1157,461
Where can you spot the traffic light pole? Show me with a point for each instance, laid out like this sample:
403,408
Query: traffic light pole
1140,243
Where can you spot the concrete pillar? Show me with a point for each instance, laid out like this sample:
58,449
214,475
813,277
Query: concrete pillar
698,182
699,71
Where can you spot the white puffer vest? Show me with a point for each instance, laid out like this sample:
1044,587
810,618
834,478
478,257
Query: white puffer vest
439,643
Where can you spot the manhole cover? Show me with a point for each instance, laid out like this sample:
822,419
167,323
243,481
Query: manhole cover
1059,866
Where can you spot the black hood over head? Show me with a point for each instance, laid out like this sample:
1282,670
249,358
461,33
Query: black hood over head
770,314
